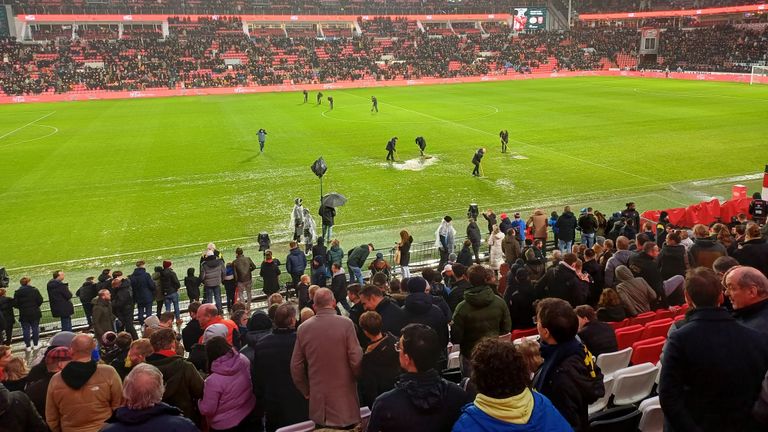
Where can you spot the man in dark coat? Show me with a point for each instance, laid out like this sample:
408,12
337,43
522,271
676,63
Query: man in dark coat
421,400
754,251
477,159
327,214
588,224
356,260
122,302
391,149
271,373
568,376
27,300
460,286
18,414
598,336
561,282
566,230
339,285
143,290
295,263
103,318
60,298
748,290
713,366
474,236
87,291
420,309
392,317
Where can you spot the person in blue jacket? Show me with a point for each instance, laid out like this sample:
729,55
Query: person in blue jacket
505,401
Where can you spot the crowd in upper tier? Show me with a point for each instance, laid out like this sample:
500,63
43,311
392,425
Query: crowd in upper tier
217,53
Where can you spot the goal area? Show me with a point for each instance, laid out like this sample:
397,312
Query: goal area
759,75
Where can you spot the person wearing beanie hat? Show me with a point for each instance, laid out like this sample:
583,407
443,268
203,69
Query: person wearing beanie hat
215,330
419,308
54,361
167,264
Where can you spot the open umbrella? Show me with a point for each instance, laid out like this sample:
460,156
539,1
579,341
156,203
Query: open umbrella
334,199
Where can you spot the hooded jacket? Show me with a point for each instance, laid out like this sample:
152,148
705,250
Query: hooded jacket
419,308
380,369
60,298
543,417
183,384
17,414
160,417
566,226
103,319
296,261
635,292
621,257
82,396
673,260
212,272
358,256
421,402
228,393
143,286
335,255
571,380
481,314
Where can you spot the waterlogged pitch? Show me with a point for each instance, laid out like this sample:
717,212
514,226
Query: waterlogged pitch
95,183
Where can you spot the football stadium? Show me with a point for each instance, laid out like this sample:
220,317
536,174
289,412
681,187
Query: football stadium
552,193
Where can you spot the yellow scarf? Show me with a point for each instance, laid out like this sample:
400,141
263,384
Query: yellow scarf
516,409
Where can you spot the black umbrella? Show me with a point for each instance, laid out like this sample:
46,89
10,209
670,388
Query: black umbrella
334,199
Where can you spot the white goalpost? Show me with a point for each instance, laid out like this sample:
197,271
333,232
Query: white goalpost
759,75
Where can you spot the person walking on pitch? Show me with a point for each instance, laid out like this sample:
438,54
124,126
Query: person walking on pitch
391,149
319,98
306,96
262,139
422,143
374,104
504,135
476,160
330,101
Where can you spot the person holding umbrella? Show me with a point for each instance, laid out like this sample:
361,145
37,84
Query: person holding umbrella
327,210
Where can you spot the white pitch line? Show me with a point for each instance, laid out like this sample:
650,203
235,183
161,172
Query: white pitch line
55,131
28,124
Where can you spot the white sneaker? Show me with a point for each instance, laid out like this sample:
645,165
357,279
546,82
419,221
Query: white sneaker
28,349
37,346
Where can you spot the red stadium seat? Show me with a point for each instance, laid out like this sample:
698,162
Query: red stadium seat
626,336
643,318
679,318
523,333
647,351
619,324
657,328
664,313
683,309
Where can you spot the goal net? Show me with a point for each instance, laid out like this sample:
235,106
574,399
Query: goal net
759,75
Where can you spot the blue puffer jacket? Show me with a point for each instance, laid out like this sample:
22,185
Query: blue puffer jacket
296,262
143,286
543,418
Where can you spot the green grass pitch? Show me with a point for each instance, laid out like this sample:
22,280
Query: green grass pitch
104,182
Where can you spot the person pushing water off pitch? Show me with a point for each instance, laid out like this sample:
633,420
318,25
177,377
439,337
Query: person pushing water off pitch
476,160
391,149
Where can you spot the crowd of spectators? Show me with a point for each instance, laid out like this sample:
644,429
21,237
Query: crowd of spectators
599,6
217,53
306,7
383,342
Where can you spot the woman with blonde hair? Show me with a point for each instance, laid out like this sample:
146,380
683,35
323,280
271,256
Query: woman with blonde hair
403,256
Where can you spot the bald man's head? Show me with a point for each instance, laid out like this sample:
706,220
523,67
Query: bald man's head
324,299
745,286
206,313
81,347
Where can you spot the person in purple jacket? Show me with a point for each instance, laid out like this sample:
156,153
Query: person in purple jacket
228,401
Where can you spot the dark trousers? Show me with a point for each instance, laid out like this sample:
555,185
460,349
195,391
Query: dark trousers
390,155
476,171
229,289
476,251
443,259
503,146
261,146
8,332
159,306
295,279
126,321
88,308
